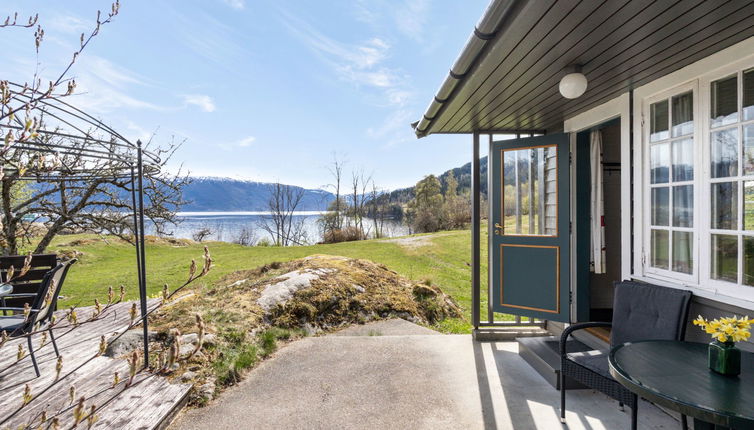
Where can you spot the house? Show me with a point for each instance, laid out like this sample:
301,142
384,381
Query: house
657,150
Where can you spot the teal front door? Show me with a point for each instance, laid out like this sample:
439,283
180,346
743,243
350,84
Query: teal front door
529,222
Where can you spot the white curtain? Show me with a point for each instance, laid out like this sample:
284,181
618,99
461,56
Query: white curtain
597,210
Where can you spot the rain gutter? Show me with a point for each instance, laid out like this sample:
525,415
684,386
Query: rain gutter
497,17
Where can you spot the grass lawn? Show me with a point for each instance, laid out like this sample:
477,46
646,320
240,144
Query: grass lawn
443,259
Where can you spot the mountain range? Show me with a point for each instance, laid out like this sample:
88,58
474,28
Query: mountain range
215,194
208,194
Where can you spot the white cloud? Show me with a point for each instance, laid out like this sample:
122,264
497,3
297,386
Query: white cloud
362,64
242,143
204,102
394,129
410,18
247,141
103,87
236,4
69,24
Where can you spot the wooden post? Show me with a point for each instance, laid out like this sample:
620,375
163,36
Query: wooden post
475,226
531,190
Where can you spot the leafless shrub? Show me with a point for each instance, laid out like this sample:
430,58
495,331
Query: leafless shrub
281,223
201,234
245,236
345,234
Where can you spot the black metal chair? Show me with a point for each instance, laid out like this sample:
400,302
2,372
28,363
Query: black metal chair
640,312
40,310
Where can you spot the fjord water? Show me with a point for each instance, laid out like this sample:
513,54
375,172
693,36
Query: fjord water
229,226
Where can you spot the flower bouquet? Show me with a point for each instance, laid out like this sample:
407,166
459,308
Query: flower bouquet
723,356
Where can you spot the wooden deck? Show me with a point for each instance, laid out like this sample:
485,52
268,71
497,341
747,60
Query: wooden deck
146,404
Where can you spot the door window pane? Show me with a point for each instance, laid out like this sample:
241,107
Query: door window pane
748,95
529,191
748,149
683,160
659,248
724,258
683,206
748,278
683,248
658,121
748,205
683,114
724,206
724,101
724,153
659,160
660,203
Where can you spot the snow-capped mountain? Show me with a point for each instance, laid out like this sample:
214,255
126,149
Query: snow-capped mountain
228,194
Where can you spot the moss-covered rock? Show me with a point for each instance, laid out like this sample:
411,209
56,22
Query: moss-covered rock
250,310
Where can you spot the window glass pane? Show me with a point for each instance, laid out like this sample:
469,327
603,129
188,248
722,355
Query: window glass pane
748,205
724,206
658,121
683,160
526,172
683,114
724,153
660,202
659,248
748,278
748,95
683,248
724,101
749,149
659,160
683,206
724,258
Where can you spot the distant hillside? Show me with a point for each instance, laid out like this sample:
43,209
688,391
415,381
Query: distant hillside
227,195
462,174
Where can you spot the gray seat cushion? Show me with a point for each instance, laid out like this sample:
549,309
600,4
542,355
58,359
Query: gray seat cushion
10,324
595,360
648,312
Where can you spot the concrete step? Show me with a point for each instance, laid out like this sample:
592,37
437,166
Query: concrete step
504,334
543,354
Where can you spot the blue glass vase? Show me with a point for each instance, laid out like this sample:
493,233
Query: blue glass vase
724,358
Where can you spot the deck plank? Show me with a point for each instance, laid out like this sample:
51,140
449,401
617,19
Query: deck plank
143,405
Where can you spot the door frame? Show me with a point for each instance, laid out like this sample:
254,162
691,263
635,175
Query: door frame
619,107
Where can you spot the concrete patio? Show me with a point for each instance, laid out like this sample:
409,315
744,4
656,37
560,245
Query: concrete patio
397,375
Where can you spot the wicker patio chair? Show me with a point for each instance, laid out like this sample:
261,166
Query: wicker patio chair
40,311
640,312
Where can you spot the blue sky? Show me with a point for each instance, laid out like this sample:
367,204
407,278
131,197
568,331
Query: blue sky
263,90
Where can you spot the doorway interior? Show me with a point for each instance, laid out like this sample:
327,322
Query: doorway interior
594,282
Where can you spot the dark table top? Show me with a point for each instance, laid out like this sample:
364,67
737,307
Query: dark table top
675,375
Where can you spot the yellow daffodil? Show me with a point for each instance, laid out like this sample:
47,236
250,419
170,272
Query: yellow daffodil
726,329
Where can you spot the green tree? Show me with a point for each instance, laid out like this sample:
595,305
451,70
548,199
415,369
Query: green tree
426,208
451,186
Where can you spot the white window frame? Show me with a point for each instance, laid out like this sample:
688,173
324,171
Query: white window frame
669,274
699,75
736,68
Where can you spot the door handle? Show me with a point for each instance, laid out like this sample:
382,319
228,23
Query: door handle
498,229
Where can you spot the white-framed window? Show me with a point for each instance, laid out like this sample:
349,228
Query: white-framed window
729,130
671,176
698,182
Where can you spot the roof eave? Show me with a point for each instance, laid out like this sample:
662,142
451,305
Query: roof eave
489,28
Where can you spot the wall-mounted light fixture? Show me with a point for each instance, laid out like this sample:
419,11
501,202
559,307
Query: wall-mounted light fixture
573,85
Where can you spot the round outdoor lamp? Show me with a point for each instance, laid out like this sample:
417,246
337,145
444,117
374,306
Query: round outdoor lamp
573,85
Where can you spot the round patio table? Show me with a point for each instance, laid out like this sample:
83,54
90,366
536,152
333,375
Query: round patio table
675,375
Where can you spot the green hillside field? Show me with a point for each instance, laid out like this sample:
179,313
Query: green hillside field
442,259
